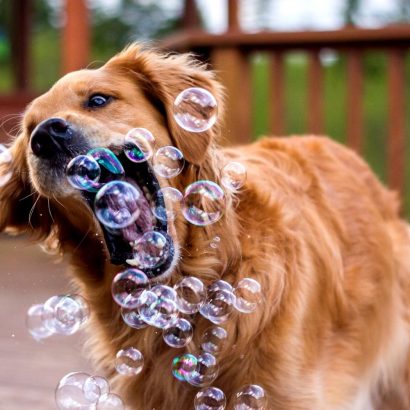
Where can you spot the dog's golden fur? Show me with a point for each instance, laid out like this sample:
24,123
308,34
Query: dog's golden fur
313,225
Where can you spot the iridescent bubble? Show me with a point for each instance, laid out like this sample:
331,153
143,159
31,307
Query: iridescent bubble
139,145
220,285
248,295
183,365
83,172
116,204
168,162
205,372
132,318
128,286
35,323
219,305
110,402
178,334
172,198
233,176
191,294
195,109
107,159
213,339
152,249
203,203
94,387
129,362
250,397
210,398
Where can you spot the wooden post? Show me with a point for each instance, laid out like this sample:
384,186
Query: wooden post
396,119
315,93
76,36
277,95
190,17
233,15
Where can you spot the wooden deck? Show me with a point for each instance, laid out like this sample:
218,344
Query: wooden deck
29,371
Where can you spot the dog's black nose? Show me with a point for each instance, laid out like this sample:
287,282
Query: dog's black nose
51,137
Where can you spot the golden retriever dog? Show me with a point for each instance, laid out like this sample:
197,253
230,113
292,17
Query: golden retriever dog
312,225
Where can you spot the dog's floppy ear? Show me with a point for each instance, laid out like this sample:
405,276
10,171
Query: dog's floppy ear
163,77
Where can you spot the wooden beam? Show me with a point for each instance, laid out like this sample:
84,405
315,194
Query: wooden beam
277,95
315,93
76,36
233,15
190,16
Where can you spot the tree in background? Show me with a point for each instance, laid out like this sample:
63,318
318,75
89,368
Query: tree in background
350,12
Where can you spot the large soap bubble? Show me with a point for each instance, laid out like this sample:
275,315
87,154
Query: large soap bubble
168,162
210,398
248,295
205,372
250,397
178,334
83,172
233,176
110,401
172,198
213,339
129,362
35,323
191,294
184,365
139,145
152,249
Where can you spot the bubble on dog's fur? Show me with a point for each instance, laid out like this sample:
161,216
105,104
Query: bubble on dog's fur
151,250
250,397
70,393
191,294
168,161
195,109
129,362
35,323
94,387
5,158
160,307
83,172
183,365
178,334
107,159
215,242
210,398
205,371
132,318
172,198
213,340
248,295
110,402
233,176
139,145
117,204
128,286
204,203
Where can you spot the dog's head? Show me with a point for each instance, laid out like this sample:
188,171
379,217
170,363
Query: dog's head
96,108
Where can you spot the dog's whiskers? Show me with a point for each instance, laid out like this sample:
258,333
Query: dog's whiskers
82,240
49,209
27,196
55,199
32,210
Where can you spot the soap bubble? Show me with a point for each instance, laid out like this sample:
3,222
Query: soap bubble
233,176
5,155
83,172
248,295
178,334
195,109
191,294
220,285
152,249
183,365
205,372
250,397
35,323
215,242
107,159
172,198
168,162
132,318
129,362
203,203
116,204
213,339
94,387
110,402
210,398
160,308
128,286
219,304
139,145
69,394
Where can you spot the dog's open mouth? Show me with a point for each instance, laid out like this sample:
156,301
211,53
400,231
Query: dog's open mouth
120,242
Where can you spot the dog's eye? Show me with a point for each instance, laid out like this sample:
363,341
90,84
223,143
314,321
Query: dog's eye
97,101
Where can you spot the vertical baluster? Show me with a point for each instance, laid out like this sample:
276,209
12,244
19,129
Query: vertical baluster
315,94
277,94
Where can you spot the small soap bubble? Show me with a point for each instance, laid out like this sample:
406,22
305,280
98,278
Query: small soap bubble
168,162
107,159
248,295
205,372
110,402
203,203
152,249
128,286
210,398
250,397
178,334
172,198
195,109
132,318
69,393
219,304
183,365
215,242
83,172
233,176
117,204
191,294
213,339
129,362
35,323
139,145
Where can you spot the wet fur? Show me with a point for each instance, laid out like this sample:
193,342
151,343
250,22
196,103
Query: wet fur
313,225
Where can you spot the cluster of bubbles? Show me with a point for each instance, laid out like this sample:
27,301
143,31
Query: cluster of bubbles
62,315
79,390
5,158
